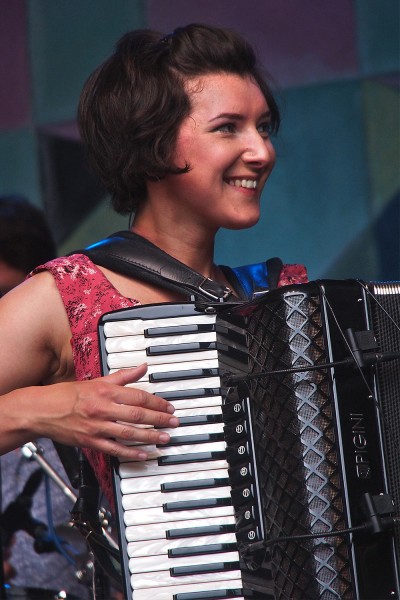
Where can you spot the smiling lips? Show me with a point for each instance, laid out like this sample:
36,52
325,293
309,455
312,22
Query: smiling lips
244,183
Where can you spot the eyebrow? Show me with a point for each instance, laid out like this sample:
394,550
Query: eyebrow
238,116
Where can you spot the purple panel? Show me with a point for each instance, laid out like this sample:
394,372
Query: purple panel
14,71
300,42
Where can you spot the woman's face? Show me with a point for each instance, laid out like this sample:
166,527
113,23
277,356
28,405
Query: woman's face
225,141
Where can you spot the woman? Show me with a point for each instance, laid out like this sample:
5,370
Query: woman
178,128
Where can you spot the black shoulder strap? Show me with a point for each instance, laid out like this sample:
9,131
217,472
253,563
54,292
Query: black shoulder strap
130,254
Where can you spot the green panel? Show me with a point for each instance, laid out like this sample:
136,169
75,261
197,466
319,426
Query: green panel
382,124
18,173
316,201
68,39
378,35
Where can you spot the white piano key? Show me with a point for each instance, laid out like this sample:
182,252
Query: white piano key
138,326
156,531
156,547
150,499
171,386
193,412
136,343
146,564
163,578
147,468
178,366
191,430
121,360
202,401
167,593
176,431
136,485
154,452
157,515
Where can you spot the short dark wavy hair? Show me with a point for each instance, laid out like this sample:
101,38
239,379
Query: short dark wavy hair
131,107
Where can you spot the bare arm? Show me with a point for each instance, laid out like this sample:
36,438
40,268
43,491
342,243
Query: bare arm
35,348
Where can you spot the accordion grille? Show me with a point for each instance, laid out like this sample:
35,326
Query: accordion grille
296,449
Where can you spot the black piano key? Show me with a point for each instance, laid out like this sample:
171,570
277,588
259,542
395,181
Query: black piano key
210,595
182,375
189,394
183,532
180,348
196,484
201,550
192,458
179,330
200,420
196,504
202,569
197,438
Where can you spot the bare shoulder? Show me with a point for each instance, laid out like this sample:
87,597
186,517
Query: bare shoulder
35,332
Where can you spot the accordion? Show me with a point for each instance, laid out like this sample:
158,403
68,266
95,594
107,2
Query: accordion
283,479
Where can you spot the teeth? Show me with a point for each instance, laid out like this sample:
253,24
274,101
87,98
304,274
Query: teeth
245,183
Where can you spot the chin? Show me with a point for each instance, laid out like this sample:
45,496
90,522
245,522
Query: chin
236,226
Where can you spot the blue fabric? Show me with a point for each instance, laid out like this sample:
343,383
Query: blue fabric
253,278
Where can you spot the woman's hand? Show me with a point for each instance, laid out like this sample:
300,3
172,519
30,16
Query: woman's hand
103,414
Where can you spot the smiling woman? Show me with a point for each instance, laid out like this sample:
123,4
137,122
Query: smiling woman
179,130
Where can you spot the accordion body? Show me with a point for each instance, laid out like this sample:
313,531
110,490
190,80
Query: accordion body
318,368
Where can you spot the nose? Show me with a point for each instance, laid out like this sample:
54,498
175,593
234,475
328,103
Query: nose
258,150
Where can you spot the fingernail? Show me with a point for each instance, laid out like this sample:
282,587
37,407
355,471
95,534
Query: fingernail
164,437
173,422
171,408
142,455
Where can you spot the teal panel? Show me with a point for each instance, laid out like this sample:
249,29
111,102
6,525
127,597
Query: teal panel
68,40
18,169
378,35
316,201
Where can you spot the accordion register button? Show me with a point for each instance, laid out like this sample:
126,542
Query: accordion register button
242,495
241,473
234,410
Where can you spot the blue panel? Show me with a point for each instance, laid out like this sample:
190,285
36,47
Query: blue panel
317,198
18,173
68,40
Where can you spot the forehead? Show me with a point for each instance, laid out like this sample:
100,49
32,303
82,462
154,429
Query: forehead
225,92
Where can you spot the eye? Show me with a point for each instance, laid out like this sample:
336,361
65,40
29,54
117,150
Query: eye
226,128
265,129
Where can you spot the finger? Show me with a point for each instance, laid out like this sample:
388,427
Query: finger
131,396
133,434
125,376
139,415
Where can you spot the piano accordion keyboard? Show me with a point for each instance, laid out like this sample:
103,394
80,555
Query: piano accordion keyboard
177,525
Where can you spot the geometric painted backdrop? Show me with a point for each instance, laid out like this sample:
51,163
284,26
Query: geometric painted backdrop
333,201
